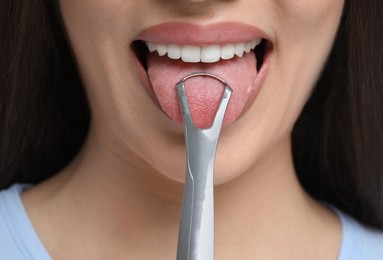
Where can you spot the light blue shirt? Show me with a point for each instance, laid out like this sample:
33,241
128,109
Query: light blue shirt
19,241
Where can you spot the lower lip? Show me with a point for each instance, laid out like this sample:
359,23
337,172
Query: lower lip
261,75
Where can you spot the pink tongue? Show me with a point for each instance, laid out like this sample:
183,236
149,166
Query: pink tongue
203,93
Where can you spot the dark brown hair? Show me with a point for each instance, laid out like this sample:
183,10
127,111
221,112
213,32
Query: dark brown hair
43,111
337,141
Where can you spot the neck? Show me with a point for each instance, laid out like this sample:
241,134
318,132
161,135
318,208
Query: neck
122,204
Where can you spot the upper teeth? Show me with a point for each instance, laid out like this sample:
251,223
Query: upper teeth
207,54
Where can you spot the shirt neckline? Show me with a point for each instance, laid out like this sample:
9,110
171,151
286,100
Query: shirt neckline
25,237
21,229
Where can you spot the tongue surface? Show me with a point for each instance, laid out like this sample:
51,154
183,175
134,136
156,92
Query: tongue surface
203,93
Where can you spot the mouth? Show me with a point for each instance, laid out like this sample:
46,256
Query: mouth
241,62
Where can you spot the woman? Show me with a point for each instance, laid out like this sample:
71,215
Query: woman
298,162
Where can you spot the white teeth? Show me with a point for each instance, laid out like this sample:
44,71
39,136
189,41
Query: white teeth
151,46
191,53
227,51
239,48
248,47
174,51
211,54
207,54
162,49
254,43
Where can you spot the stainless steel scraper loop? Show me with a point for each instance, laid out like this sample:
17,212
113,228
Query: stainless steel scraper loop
196,234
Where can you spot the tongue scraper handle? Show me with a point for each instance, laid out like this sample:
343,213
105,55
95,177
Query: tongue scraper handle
196,233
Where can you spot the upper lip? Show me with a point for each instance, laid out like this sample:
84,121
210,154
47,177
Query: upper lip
201,35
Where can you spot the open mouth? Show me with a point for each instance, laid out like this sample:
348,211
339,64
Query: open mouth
240,63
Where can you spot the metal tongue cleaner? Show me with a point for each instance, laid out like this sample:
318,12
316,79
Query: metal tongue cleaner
196,233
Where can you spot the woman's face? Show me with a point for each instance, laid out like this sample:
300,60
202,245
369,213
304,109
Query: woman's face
132,94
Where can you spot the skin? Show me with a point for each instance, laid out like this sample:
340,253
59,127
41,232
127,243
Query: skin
121,196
